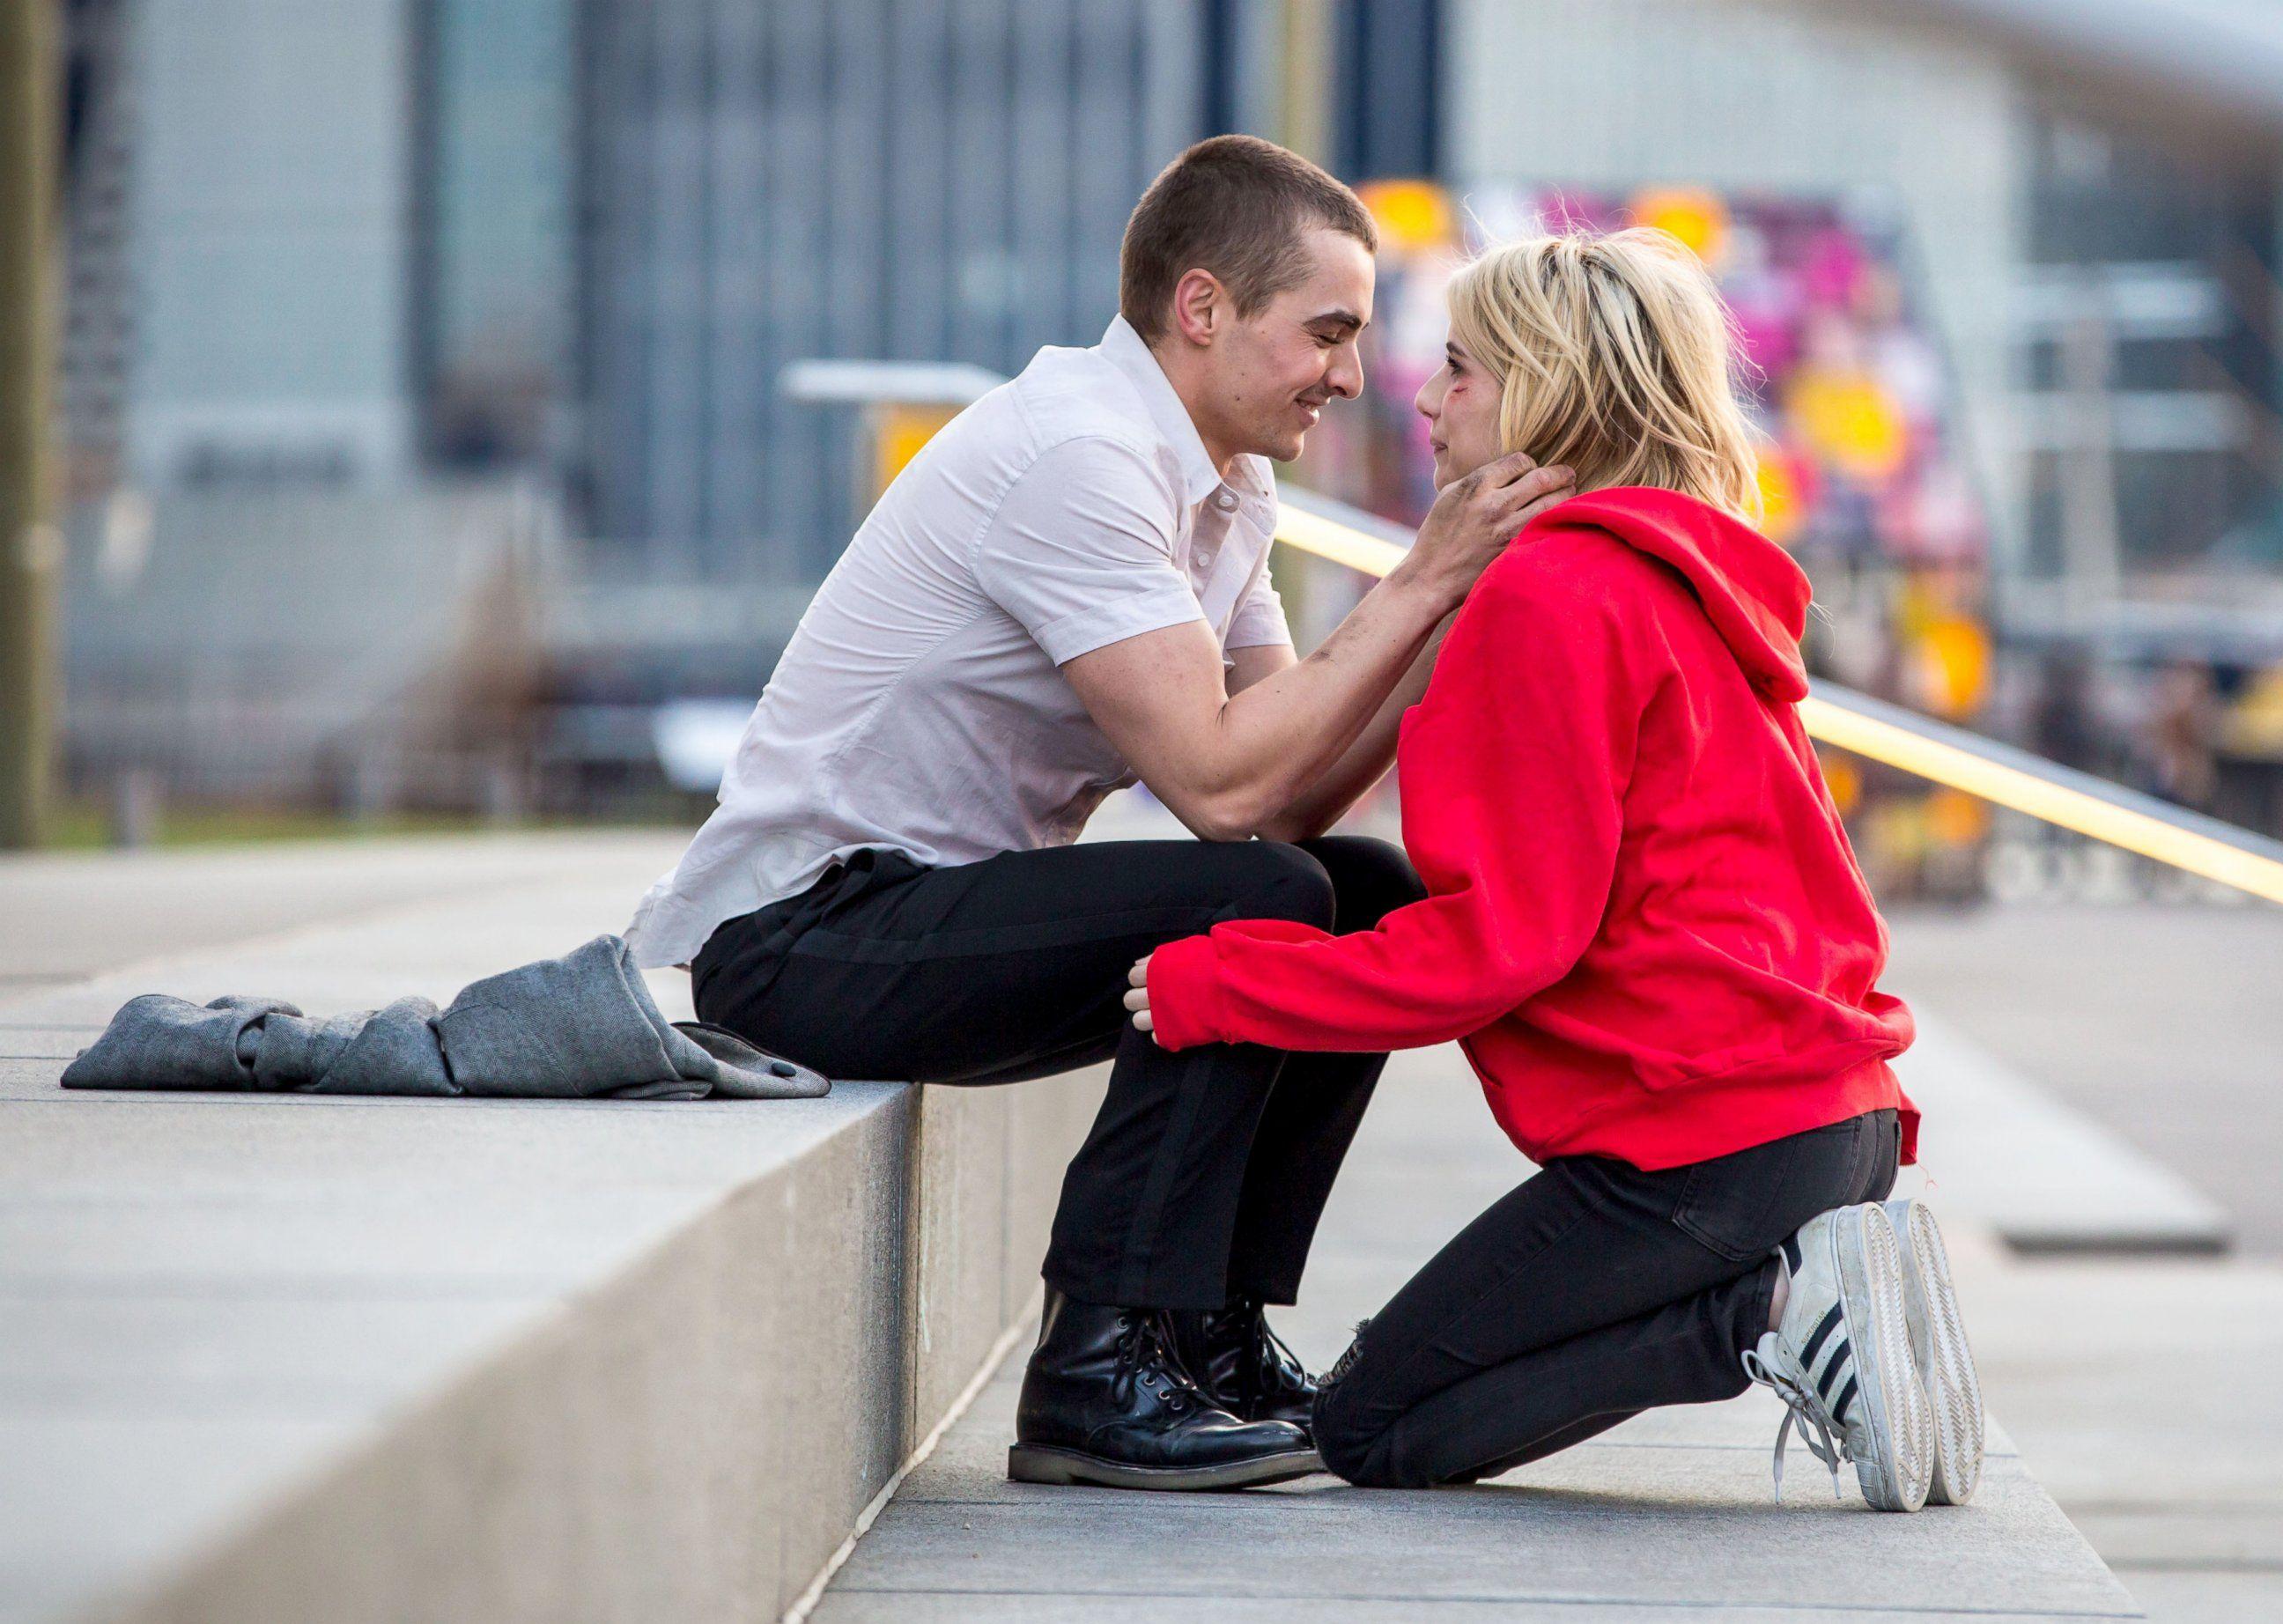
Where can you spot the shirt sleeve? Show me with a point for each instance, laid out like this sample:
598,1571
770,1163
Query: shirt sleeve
1522,747
1081,549
1259,620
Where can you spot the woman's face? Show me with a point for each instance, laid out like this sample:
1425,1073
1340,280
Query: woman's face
1460,405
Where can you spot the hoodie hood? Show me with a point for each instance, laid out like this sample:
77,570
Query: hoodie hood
1753,592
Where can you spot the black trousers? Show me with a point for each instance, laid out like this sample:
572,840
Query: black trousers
1590,1292
1206,1171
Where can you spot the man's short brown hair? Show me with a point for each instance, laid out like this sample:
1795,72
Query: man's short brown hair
1236,206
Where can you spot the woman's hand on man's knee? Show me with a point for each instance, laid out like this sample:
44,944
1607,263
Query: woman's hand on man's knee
1137,996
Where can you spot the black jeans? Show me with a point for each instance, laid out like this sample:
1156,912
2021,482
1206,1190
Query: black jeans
1205,1172
1590,1292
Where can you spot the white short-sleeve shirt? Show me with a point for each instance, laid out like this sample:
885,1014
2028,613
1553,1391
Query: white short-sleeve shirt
919,706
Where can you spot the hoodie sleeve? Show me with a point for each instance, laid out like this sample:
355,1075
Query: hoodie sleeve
1514,768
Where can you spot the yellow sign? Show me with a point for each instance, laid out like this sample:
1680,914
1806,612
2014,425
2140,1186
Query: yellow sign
1698,218
898,433
1412,215
1851,419
1779,504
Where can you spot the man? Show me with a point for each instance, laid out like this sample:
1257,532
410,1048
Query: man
1065,591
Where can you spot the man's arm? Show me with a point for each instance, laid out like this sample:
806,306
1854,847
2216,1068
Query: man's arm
1270,757
1529,754
1364,763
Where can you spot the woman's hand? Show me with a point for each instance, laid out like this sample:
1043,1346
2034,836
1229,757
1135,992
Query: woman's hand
1138,998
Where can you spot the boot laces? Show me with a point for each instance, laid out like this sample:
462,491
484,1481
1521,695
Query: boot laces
1145,1352
1823,1438
1269,1348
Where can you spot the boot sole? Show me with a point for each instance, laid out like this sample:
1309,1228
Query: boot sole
1938,1339
1896,1413
1042,1462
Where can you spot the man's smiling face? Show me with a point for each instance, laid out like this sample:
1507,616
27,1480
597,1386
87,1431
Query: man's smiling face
1271,373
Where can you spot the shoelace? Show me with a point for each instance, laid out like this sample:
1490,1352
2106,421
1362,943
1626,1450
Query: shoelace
1802,1405
1143,1348
1273,1354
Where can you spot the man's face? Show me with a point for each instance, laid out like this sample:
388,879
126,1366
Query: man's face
1268,377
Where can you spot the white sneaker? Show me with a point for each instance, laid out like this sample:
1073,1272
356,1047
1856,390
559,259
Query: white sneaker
1840,1359
1938,1344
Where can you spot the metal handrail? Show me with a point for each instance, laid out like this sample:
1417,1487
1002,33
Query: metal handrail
1884,732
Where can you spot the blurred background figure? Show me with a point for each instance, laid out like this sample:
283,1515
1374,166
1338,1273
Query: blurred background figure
2183,735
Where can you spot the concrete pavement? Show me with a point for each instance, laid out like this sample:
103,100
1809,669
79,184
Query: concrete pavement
74,915
2138,1391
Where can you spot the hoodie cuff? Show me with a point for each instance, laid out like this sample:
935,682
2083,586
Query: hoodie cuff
1185,994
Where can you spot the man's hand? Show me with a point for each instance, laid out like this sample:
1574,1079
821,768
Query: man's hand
1138,1000
1475,515
1232,766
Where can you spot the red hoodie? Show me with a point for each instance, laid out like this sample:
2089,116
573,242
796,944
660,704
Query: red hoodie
1644,920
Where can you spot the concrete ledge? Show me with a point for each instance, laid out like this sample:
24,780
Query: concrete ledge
387,1360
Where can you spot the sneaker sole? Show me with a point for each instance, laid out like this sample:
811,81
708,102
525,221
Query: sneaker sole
1041,1463
1938,1340
1869,1264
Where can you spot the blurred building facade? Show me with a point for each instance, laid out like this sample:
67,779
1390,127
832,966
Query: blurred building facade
268,244
493,302
496,257
2093,190
888,181
2094,196
395,277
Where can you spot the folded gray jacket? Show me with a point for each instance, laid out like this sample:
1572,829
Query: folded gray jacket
580,1027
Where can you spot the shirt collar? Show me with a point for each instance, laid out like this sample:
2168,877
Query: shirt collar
1130,353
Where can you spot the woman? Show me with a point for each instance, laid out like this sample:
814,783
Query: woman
1647,927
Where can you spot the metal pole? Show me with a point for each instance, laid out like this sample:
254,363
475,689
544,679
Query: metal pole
2091,555
30,551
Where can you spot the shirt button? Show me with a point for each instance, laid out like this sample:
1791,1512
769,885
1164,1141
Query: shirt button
1225,502
1205,557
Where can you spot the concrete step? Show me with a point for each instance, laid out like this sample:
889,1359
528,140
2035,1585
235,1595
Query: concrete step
292,1358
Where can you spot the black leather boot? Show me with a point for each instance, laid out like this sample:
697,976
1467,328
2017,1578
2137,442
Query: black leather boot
1105,1403
1241,1364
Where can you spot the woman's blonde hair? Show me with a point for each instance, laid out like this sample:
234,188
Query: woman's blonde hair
1615,358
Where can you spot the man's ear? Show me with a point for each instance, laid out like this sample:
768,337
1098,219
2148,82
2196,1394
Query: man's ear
1201,306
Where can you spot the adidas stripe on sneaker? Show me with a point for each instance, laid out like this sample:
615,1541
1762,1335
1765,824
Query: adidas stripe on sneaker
1840,1359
